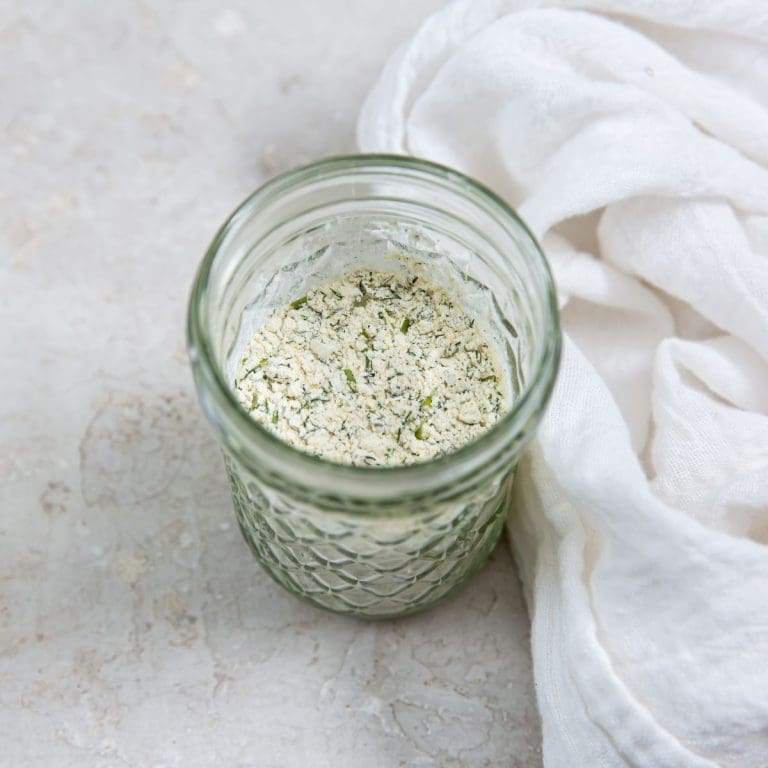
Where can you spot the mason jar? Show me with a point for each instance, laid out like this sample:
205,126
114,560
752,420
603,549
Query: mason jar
361,540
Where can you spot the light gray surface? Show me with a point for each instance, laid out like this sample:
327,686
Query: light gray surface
135,628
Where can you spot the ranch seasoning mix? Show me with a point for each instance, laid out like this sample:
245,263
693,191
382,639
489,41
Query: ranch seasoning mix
374,369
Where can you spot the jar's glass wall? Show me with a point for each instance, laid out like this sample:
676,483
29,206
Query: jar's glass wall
368,564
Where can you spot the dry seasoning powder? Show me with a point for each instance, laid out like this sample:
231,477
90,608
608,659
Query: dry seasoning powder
376,368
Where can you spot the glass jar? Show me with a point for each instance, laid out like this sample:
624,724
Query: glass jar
373,541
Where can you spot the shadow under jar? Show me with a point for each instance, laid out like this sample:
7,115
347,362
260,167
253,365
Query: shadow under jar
359,540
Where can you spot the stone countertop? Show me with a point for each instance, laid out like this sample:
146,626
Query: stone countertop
135,627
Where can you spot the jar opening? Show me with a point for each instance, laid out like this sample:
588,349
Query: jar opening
303,201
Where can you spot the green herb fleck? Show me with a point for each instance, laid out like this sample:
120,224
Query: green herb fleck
351,379
488,378
367,334
406,325
428,401
258,365
299,302
399,432
254,403
419,432
274,417
407,417
368,364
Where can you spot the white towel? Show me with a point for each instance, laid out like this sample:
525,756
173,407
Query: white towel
641,517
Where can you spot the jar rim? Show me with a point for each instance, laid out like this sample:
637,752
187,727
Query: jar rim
226,413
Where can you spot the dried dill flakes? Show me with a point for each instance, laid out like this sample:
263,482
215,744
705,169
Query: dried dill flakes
418,395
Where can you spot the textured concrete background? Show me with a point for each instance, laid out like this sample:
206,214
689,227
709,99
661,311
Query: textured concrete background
135,628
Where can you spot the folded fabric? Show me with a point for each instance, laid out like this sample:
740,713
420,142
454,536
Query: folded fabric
633,138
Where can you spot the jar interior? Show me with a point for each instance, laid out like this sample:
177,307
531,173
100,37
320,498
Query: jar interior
315,233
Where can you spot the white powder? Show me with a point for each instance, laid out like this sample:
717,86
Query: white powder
376,368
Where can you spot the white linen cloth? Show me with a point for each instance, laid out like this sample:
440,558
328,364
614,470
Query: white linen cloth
641,516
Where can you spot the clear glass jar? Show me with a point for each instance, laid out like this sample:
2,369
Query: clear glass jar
372,541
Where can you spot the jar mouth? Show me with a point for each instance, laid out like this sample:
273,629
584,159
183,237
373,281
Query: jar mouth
239,432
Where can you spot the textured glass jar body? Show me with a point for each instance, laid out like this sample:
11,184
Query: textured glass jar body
362,540
368,564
